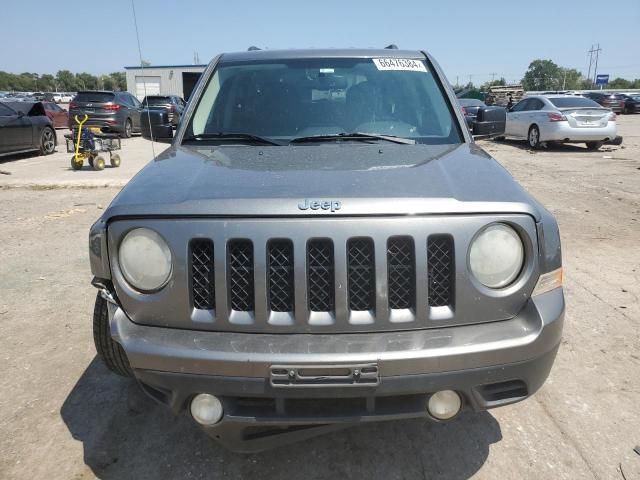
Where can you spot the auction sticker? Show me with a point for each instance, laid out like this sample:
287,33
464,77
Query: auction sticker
399,64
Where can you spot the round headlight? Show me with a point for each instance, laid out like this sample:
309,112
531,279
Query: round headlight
496,256
145,259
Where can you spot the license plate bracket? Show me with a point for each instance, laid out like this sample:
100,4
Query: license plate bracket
318,376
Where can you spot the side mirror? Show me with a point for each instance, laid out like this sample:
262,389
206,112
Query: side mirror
490,122
155,126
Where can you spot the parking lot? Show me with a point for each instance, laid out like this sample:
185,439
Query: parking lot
63,415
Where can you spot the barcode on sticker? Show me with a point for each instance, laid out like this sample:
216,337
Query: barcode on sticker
399,64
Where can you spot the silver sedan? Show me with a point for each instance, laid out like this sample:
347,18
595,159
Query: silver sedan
560,118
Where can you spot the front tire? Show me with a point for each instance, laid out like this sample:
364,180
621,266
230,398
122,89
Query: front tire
533,137
109,351
594,145
47,141
76,164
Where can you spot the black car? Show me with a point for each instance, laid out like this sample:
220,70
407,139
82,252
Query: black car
173,104
112,111
613,101
25,127
470,107
631,102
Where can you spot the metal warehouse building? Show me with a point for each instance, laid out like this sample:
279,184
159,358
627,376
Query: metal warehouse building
163,80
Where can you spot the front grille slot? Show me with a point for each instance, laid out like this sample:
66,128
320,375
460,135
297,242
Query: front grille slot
440,268
280,257
320,275
361,274
240,273
401,272
202,279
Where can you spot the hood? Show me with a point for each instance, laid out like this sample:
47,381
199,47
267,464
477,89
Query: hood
366,179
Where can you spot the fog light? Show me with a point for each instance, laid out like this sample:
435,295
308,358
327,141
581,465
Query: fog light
206,409
444,404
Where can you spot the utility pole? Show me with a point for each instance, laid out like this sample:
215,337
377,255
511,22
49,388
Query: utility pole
595,70
590,52
493,76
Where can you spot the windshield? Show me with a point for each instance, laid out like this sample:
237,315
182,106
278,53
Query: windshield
289,99
471,102
574,102
94,97
156,100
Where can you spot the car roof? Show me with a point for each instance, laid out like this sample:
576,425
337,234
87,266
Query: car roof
470,101
254,55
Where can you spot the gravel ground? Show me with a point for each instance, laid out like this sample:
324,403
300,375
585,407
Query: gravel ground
63,415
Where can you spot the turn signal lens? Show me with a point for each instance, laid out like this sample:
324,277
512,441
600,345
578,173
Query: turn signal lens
548,281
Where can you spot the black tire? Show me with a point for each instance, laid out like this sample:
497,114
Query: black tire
109,351
76,164
594,145
115,160
128,128
98,163
533,137
47,141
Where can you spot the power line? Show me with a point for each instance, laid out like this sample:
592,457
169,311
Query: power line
144,79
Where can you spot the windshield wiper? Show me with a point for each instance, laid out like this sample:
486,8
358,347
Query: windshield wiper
246,137
354,136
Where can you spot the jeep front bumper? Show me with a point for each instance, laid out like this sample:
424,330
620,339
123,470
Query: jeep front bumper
489,365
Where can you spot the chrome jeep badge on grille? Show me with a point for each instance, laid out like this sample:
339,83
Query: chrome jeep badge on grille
332,205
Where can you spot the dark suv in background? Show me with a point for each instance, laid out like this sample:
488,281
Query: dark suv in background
631,102
117,111
173,104
612,101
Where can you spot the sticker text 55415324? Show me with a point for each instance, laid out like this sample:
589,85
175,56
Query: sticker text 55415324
399,64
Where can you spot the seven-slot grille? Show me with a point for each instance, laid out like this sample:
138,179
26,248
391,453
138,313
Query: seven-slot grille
320,274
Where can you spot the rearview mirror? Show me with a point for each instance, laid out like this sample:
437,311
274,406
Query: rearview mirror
155,126
490,122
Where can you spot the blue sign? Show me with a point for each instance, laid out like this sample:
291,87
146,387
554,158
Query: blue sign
602,79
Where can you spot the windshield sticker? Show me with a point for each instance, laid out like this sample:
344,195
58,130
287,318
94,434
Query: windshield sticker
399,64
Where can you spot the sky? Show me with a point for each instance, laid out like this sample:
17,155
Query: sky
472,40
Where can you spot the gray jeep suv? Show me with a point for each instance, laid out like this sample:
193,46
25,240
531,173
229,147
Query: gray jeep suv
324,244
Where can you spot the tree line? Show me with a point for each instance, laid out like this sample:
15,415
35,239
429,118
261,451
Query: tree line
546,75
62,81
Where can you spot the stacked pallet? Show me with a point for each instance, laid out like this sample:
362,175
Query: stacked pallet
500,95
